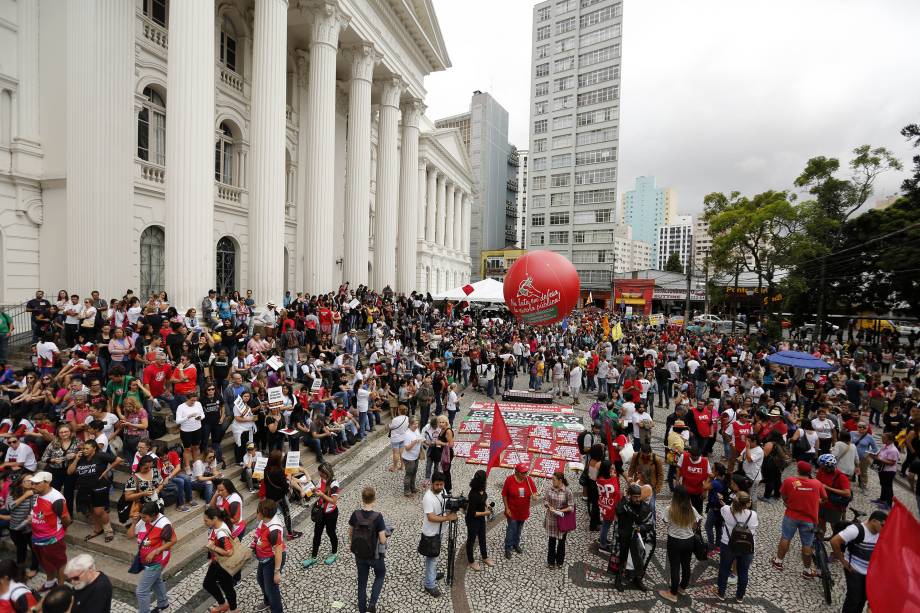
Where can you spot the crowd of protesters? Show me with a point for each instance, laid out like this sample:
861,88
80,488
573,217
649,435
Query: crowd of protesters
104,374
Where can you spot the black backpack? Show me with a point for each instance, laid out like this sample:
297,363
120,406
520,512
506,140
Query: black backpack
741,540
364,538
156,426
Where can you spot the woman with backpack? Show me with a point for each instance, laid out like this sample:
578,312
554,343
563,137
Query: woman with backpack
737,544
776,459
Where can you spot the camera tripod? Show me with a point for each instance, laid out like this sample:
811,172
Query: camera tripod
451,551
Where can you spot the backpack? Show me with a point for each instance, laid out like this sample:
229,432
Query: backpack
741,540
364,538
843,525
780,456
156,426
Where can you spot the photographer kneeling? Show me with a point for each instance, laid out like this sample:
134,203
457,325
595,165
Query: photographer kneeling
429,546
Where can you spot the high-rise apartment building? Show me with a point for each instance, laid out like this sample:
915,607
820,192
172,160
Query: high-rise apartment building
646,208
484,131
574,132
676,238
702,244
521,220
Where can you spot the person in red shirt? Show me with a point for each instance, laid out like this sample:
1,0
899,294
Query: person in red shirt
516,494
325,319
155,539
693,469
184,380
609,494
268,545
157,374
705,429
803,497
837,486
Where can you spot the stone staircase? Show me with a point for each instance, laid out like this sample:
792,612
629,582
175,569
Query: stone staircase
115,558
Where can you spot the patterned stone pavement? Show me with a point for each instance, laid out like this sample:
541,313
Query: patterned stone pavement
517,585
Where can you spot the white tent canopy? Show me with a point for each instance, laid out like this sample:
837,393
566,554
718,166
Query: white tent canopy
487,290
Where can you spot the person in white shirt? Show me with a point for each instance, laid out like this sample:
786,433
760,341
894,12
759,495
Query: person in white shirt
575,382
826,431
364,396
189,415
412,441
861,540
752,462
434,516
642,424
692,365
558,378
72,311
739,512
19,456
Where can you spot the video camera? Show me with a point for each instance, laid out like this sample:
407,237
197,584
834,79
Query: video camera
453,504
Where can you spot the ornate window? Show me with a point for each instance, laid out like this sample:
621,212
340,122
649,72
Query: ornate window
156,11
223,155
226,266
152,265
228,45
151,128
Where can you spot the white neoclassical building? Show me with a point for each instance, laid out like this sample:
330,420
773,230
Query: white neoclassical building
182,145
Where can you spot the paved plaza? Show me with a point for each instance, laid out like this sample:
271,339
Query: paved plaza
517,585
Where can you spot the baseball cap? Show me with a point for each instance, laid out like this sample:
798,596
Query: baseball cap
250,446
40,477
804,467
521,467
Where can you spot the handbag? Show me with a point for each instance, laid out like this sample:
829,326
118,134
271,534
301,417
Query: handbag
430,546
566,522
136,566
700,547
237,558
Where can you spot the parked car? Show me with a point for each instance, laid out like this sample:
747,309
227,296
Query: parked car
829,327
707,318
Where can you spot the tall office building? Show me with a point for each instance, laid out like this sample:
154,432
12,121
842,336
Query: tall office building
574,130
521,238
646,208
484,131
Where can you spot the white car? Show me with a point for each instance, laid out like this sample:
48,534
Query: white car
905,329
707,319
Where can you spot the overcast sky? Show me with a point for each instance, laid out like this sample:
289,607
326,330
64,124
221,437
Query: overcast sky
717,94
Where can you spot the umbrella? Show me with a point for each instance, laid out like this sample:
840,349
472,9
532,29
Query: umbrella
799,359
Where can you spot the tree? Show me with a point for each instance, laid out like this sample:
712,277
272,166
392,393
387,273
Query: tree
673,264
911,185
835,201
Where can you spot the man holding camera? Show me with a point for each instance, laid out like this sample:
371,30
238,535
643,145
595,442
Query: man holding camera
430,544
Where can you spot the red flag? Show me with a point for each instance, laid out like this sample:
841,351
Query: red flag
468,289
499,440
893,582
610,449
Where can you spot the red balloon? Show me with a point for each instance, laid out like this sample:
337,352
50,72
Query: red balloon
541,288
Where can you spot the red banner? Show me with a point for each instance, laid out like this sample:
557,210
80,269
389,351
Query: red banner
546,467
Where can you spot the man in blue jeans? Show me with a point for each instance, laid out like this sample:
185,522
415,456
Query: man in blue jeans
433,506
516,494
367,533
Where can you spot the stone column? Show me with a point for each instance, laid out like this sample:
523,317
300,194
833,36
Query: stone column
432,209
408,197
442,209
358,165
387,203
303,72
449,222
421,213
458,222
319,124
101,240
27,129
465,238
269,124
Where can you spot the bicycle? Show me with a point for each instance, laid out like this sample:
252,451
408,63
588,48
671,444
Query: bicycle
821,559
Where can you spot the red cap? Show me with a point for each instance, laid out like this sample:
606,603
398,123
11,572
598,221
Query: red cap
521,467
804,467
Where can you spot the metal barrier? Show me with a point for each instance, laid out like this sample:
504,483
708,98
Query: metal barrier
22,324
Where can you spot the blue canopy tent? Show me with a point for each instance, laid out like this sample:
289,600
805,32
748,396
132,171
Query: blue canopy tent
799,359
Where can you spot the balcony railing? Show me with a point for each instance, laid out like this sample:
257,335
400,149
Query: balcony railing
513,185
154,173
155,33
511,208
230,78
513,159
228,193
